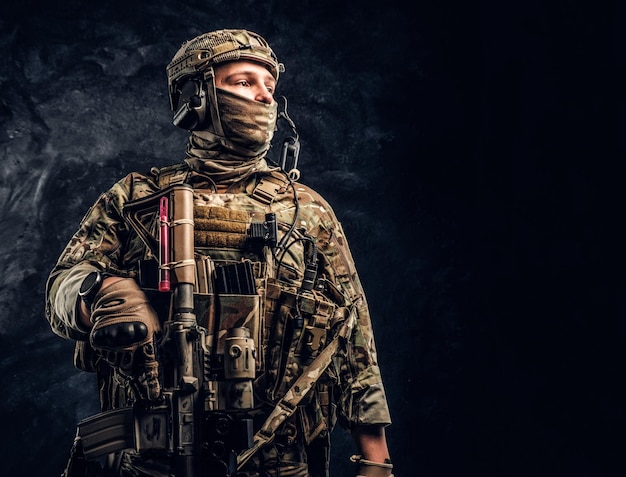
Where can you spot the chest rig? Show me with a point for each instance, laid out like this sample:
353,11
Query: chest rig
248,329
261,318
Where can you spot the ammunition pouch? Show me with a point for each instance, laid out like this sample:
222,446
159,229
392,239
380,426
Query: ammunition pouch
297,328
221,313
318,416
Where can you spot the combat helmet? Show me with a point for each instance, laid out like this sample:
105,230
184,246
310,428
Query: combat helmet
195,60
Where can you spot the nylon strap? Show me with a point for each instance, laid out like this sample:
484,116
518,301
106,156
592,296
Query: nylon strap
288,404
169,175
267,188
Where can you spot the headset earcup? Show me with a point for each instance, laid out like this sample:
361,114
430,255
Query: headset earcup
191,111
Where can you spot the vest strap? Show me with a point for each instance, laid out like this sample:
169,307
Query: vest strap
268,188
170,175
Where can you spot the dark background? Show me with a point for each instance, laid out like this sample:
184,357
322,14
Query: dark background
473,152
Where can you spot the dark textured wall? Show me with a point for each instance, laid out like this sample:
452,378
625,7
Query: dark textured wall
473,152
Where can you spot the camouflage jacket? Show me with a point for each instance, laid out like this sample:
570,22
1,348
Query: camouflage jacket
352,389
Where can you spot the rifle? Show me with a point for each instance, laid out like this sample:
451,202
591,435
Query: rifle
169,424
189,422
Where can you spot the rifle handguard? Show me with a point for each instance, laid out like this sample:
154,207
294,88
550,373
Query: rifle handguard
368,468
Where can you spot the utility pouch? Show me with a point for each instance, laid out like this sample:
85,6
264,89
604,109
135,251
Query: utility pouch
235,311
297,331
226,299
317,418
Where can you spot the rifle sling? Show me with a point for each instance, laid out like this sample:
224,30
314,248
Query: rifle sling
288,404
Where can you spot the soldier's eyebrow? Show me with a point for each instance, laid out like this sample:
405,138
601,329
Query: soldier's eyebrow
248,73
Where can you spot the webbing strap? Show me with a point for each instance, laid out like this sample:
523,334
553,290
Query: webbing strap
169,175
288,404
267,188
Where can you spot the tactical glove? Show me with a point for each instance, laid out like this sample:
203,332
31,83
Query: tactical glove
123,334
367,468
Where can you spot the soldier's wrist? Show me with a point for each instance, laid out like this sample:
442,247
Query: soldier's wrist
368,468
84,317
91,286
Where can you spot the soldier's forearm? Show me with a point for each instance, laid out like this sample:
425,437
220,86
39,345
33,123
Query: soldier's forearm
371,442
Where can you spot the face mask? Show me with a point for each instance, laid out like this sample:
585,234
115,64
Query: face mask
249,125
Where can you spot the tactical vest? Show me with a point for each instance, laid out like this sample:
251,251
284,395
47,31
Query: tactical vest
241,284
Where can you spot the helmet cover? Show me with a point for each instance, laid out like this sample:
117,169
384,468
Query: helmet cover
197,56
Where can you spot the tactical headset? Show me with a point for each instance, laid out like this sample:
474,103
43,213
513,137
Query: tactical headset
191,110
192,86
190,72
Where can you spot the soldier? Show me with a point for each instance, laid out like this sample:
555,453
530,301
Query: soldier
217,300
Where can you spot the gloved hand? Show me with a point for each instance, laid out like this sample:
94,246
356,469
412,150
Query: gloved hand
123,333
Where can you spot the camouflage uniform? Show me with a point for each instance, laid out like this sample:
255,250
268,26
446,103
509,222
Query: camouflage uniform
350,391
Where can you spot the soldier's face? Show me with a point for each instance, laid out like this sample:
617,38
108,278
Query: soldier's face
246,78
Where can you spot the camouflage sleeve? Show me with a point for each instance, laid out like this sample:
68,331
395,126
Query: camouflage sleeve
97,245
360,393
